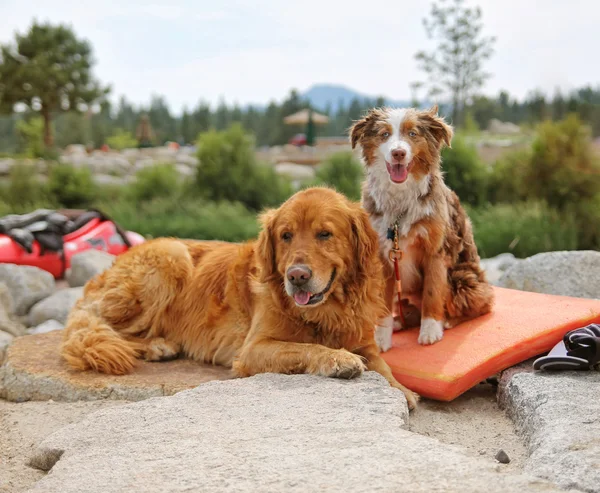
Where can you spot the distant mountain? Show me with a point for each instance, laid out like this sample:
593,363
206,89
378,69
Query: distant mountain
320,95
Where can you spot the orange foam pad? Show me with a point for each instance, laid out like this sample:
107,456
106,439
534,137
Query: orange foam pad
520,326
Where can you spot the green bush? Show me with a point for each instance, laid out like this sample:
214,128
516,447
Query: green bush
161,180
524,229
24,190
343,172
587,215
464,172
228,170
185,218
507,179
31,136
71,187
121,139
563,168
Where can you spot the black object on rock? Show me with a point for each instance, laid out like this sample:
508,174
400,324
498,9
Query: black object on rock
579,350
502,457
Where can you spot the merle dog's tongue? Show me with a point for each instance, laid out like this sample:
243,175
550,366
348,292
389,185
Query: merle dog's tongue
302,297
398,172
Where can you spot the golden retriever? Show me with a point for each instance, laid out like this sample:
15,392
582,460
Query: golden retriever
304,298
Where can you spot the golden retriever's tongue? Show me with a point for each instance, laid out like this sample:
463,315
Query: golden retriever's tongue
302,297
398,172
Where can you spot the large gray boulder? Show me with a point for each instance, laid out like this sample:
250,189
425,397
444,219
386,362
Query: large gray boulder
55,307
495,267
269,433
558,415
47,326
5,340
562,273
88,264
7,322
27,285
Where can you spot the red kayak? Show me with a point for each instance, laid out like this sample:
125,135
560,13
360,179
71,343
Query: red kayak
98,233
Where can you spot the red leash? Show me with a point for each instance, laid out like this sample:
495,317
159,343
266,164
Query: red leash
396,255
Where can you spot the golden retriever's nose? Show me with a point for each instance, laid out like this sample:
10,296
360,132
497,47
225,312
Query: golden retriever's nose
299,275
398,154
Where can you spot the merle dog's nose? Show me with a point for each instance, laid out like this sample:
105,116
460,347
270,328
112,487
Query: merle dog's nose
299,275
398,154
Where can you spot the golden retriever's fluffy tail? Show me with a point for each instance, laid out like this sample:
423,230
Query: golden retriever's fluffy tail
90,343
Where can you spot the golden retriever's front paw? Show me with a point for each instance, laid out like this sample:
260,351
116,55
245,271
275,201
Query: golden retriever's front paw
431,331
342,364
412,398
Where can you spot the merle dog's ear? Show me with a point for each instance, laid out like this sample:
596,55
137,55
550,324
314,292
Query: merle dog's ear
437,126
358,130
265,247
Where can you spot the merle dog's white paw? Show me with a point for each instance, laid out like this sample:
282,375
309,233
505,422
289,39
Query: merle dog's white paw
383,335
431,331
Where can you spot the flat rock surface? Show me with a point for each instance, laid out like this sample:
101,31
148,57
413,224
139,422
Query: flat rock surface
558,415
266,433
34,370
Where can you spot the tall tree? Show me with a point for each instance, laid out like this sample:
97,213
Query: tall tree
49,70
455,67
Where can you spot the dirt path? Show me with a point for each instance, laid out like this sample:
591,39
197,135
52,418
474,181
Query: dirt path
472,421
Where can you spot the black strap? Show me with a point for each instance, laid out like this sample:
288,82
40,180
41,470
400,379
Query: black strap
584,343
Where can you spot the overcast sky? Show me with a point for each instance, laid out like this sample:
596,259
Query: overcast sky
255,51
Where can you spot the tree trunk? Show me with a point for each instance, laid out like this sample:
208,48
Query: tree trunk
48,137
456,112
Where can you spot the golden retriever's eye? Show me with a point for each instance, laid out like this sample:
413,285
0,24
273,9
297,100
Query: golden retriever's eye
287,236
412,133
385,135
324,235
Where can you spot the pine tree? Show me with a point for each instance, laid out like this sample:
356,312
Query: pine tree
455,67
49,70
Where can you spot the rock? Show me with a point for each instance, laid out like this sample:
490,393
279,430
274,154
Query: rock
507,375
7,322
55,307
78,149
184,158
27,285
5,166
502,457
268,433
88,264
558,415
5,340
563,273
143,163
34,370
496,126
295,171
494,267
47,326
184,170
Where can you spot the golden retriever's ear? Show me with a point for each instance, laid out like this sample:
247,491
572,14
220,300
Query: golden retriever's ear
435,124
265,247
366,242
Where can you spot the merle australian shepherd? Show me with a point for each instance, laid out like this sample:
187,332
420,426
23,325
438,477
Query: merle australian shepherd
404,191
